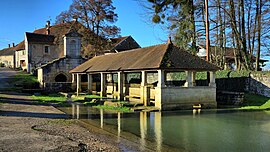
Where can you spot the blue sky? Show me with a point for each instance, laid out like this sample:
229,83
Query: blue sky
20,16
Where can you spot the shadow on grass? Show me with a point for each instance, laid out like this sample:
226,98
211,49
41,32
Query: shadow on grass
255,100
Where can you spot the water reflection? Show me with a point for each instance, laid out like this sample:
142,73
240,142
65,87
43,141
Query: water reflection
185,131
196,112
143,128
158,131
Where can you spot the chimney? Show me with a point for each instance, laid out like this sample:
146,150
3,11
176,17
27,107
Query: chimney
169,40
13,44
8,45
48,24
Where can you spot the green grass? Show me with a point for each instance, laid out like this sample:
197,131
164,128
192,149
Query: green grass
120,109
24,80
256,102
53,98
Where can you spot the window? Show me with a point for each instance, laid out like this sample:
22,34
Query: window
23,52
46,49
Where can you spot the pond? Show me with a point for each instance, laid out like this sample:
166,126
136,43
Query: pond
204,131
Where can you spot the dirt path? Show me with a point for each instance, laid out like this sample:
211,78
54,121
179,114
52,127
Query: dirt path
30,127
26,126
5,73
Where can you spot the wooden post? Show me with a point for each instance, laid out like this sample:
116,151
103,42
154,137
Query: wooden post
143,84
188,82
193,75
212,79
103,89
78,84
90,79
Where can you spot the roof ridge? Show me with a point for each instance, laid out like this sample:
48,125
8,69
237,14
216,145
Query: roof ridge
135,49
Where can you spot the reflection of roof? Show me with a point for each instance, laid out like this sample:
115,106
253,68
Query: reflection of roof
164,56
39,38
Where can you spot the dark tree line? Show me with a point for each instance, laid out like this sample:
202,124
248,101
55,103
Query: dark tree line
239,24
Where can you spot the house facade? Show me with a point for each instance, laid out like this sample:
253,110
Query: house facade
20,56
227,55
7,56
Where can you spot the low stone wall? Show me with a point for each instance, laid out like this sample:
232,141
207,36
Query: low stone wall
184,98
58,86
230,98
259,84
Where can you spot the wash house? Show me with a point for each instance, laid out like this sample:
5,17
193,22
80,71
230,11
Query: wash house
144,75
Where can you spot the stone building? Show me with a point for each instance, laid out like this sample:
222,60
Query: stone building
58,70
160,59
7,56
20,56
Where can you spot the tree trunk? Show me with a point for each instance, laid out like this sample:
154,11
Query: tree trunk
259,36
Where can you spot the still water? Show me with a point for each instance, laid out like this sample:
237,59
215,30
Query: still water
204,131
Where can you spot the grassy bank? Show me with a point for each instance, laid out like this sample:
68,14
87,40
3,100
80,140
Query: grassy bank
120,109
255,102
53,98
24,80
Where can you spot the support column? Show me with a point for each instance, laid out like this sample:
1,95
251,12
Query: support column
103,89
73,80
143,84
188,82
120,86
161,79
193,78
212,79
78,84
159,89
90,82
145,91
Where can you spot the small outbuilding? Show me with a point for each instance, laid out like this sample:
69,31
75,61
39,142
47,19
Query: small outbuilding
156,62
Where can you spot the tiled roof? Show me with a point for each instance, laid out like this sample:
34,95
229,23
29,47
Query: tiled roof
124,43
20,46
116,41
39,38
7,51
60,29
164,56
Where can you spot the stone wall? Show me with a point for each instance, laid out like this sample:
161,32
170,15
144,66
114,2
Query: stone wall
184,98
60,67
55,87
259,84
